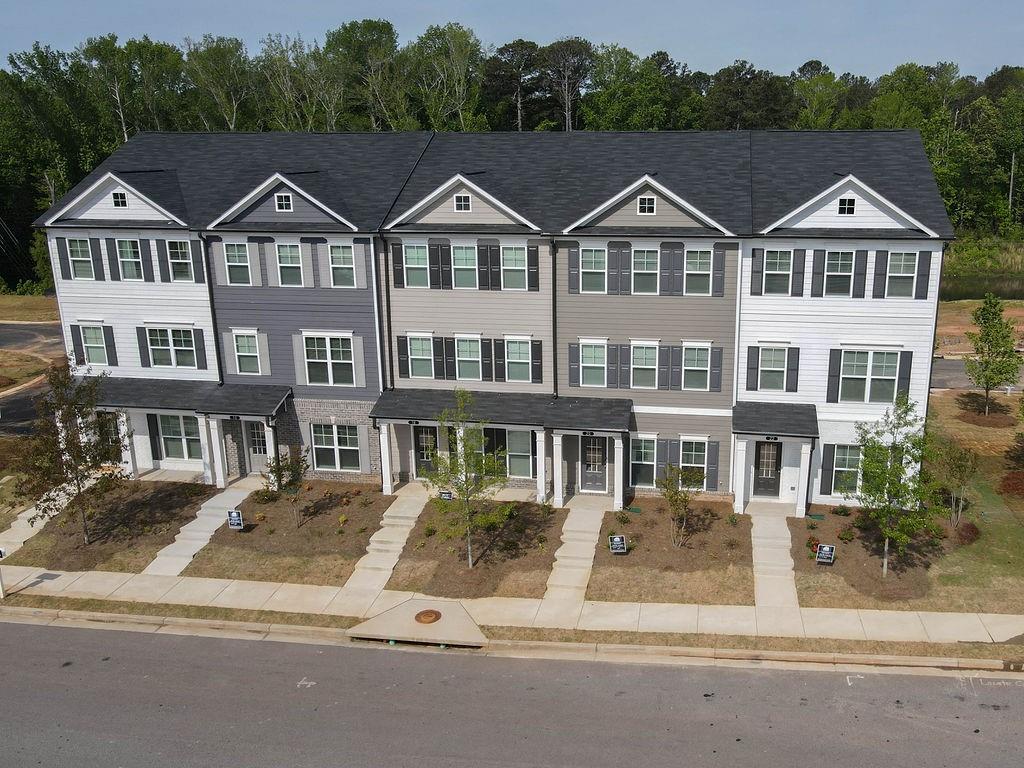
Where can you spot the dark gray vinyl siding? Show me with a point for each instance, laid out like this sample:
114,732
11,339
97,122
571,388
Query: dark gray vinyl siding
264,209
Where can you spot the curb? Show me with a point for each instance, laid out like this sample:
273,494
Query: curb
24,385
604,652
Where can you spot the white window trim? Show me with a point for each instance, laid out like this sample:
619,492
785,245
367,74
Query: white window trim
102,345
188,260
330,371
405,265
604,369
283,197
479,356
603,249
455,202
709,273
409,336
302,272
765,272
704,468
869,377
525,268
839,206
170,340
646,197
647,345
889,274
529,346
761,369
824,283
330,263
632,271
88,260
235,333
860,462
337,448
120,262
181,438
476,266
113,199
248,265
654,464
682,382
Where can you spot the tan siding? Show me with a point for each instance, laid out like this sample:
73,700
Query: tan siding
668,214
443,211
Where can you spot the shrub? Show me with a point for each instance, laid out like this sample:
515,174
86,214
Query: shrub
1012,483
622,517
842,510
967,533
731,543
812,543
429,530
733,519
848,534
265,496
811,525
342,519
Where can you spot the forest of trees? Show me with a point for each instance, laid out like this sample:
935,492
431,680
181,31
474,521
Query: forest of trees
62,112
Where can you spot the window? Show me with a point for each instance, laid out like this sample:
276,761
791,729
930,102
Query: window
693,455
119,199
335,447
856,383
81,260
180,260
247,353
646,205
592,367
645,271
329,360
902,272
517,360
172,348
513,268
343,266
289,264
463,204
777,266
644,370
467,359
696,367
519,453
94,345
846,469
283,202
846,206
698,273
772,369
421,357
416,275
464,266
641,468
838,273
130,258
592,270
179,436
236,256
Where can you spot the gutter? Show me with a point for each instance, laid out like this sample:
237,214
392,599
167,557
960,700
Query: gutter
213,311
554,317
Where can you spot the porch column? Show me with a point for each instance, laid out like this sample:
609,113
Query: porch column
209,474
218,461
388,484
542,479
558,485
739,476
618,475
802,478
124,434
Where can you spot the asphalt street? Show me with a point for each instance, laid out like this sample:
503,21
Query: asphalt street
17,411
82,698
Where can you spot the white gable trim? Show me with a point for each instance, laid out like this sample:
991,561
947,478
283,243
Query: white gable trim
109,176
868,191
277,178
643,181
460,179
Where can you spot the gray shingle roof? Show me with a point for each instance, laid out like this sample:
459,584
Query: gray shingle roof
782,419
198,396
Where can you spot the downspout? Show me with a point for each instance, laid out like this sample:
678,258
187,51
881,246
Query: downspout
213,311
554,317
376,315
387,313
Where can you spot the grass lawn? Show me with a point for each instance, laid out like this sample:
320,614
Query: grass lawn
11,503
10,446
317,551
714,566
17,367
513,560
135,520
28,308
955,319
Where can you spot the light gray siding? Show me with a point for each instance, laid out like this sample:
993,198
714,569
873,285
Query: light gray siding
668,213
442,211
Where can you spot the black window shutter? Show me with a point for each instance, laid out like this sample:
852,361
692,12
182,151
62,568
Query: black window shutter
434,261
199,341
792,369
676,375
574,365
450,370
753,367
198,270
536,360
715,375
625,358
77,346
397,266
665,268
97,257
140,333
147,260
108,342
499,359
494,260
574,268
532,268
828,462
63,259
756,271
796,285
664,367
446,267
903,374
924,269
112,262
486,360
881,274
711,473
678,261
403,357
835,363
818,274
154,436
439,358
860,273
161,261
718,270
483,269
611,378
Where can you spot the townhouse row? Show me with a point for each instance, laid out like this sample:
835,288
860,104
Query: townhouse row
729,301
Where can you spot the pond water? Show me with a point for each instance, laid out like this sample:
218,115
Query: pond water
976,286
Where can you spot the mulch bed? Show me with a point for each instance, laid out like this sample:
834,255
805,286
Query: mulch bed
512,561
318,550
134,521
713,566
972,411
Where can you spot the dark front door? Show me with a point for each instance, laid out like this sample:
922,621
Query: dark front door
767,466
425,444
593,463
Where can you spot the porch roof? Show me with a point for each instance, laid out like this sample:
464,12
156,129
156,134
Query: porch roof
199,396
783,419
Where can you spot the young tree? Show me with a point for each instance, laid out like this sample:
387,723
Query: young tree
995,362
677,487
893,487
469,472
68,449
956,466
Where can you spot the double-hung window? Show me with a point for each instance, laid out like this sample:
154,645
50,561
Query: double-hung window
180,260
335,447
81,260
592,365
236,258
289,264
247,353
283,202
696,367
693,455
902,272
645,271
697,280
838,273
172,347
642,452
777,269
519,452
343,266
772,374
517,360
464,266
846,469
467,359
329,360
416,274
593,262
130,258
179,436
421,357
868,375
513,268
93,344
644,366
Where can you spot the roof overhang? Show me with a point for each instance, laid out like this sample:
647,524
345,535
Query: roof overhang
108,176
752,417
455,180
205,397
265,187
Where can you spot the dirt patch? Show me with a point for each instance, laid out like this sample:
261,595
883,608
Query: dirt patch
714,565
28,308
972,411
19,367
514,560
135,520
954,320
321,550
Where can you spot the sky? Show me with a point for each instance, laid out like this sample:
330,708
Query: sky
861,36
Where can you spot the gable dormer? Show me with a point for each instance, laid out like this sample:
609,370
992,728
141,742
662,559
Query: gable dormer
277,201
460,201
111,198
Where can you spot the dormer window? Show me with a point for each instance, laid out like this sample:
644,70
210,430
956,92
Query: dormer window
283,202
846,206
119,199
646,205
463,204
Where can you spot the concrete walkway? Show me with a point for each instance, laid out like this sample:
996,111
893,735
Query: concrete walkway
22,530
193,536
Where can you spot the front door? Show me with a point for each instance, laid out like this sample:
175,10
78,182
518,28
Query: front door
256,438
425,445
767,467
593,464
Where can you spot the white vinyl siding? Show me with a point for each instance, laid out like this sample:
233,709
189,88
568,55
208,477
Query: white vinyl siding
329,360
645,271
698,273
593,265
592,365
421,357
335,447
343,266
81,260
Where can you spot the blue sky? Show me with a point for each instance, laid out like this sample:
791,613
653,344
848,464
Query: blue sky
863,36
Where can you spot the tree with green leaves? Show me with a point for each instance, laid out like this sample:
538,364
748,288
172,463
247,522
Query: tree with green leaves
626,93
510,84
995,362
956,467
677,487
567,65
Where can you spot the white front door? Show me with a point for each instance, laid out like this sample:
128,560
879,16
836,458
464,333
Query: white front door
256,444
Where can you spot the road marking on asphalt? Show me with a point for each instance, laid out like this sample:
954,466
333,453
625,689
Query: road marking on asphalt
304,683
851,678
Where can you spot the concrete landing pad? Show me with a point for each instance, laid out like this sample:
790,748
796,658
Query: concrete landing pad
453,626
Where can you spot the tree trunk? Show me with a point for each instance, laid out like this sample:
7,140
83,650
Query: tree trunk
469,538
987,391
82,517
885,558
519,108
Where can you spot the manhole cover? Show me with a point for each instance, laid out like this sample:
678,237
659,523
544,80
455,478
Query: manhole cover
428,616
